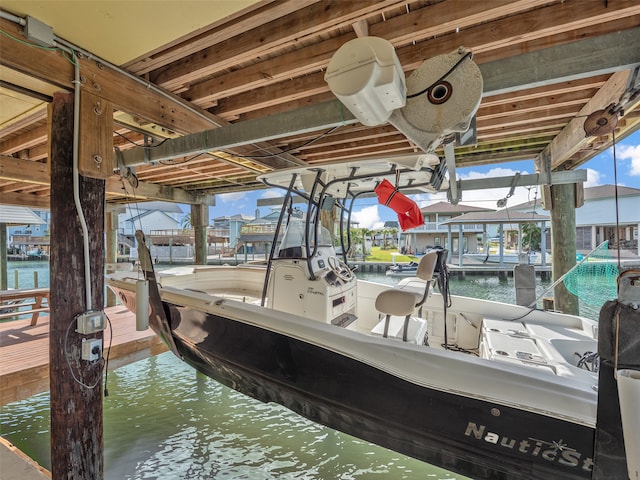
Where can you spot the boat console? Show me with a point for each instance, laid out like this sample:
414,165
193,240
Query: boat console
321,288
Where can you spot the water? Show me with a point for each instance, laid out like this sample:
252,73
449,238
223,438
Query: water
164,421
25,271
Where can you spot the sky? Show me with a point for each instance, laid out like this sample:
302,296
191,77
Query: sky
369,214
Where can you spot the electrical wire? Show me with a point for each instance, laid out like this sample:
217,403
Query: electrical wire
106,362
306,144
72,60
615,180
66,357
455,65
149,147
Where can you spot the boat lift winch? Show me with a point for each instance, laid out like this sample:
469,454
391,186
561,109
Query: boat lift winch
438,100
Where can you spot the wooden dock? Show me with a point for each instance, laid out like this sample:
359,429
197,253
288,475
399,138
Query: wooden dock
24,352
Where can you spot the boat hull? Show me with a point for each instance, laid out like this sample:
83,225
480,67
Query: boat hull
471,436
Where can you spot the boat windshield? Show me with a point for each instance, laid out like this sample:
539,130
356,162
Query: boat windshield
293,244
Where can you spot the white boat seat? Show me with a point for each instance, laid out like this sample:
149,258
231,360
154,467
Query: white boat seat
398,306
420,286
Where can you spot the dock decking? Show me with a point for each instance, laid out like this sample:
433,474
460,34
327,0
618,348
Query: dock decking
24,352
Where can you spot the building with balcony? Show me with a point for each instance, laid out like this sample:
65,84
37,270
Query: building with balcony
596,218
436,233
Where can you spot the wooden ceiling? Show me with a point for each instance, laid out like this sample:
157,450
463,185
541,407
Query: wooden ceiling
547,65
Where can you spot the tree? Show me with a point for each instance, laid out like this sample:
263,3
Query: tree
185,222
394,235
531,236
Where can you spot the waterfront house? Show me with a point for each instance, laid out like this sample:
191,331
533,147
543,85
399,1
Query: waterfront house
435,232
27,232
596,218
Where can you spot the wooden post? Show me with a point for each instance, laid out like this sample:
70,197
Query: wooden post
111,256
563,244
199,222
76,385
4,261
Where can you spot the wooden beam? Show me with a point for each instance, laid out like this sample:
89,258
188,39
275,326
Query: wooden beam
426,23
151,191
506,34
199,222
126,92
95,151
27,171
266,39
24,141
235,24
572,138
34,115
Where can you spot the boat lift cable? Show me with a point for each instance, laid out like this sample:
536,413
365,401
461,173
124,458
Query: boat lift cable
615,181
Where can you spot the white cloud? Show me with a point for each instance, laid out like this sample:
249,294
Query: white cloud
272,193
231,197
632,153
368,217
593,178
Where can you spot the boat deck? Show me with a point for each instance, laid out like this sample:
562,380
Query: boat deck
24,352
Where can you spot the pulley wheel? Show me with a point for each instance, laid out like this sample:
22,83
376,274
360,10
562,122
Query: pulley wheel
600,122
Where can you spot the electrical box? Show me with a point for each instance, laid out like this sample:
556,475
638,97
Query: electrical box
91,322
91,349
38,32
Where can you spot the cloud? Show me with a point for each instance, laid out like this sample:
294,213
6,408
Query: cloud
632,153
593,178
368,217
231,197
272,193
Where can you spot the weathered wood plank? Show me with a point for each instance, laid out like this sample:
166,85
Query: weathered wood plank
572,138
76,384
95,155
125,92
266,39
215,33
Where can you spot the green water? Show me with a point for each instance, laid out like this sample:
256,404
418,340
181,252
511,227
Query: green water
163,421
24,273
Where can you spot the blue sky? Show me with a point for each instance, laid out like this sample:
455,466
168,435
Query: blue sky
600,171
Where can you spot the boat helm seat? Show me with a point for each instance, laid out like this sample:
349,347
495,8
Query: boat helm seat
420,285
398,306
397,302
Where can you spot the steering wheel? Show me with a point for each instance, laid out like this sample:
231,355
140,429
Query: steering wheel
340,269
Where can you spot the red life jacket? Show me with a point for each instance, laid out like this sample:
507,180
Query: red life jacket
409,215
